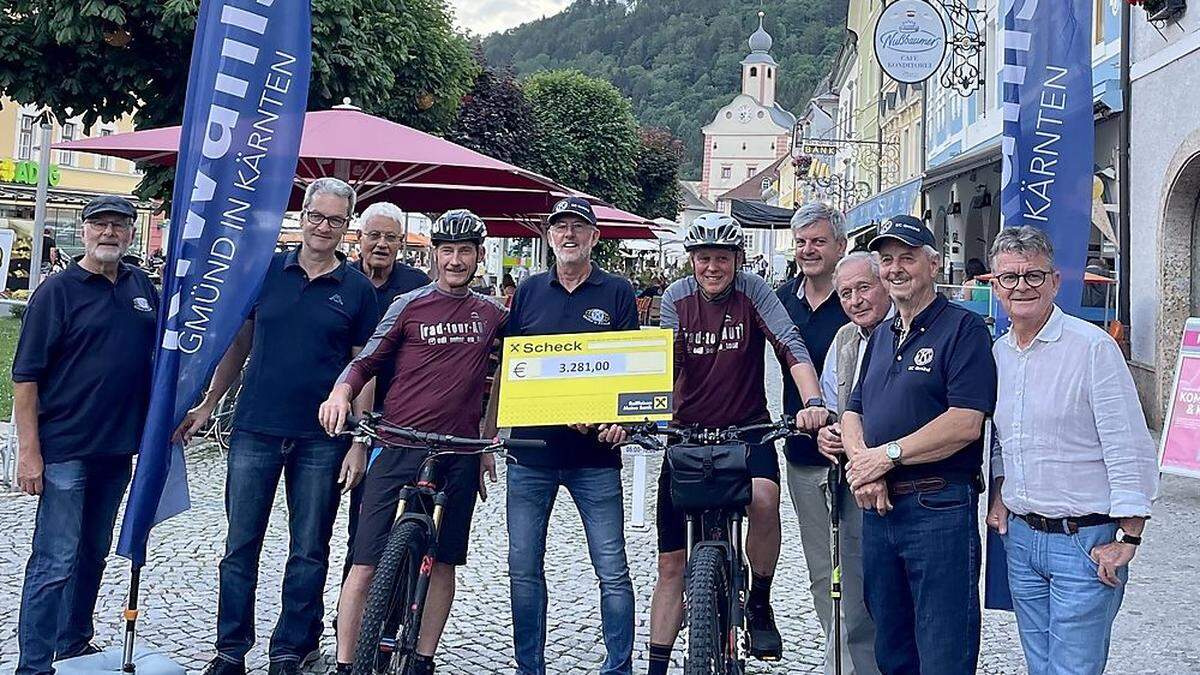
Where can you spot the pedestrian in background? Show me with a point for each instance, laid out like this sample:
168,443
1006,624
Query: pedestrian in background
1078,468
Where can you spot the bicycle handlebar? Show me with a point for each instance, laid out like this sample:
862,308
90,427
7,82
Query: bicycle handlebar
646,435
373,425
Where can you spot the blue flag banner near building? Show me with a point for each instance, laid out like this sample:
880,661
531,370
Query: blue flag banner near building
246,97
1049,133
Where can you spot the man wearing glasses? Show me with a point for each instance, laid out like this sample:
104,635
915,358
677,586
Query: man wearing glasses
313,315
379,238
574,296
81,387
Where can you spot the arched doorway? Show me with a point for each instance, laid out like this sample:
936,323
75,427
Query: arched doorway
1179,266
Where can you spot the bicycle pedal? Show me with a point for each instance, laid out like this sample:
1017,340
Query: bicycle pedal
762,655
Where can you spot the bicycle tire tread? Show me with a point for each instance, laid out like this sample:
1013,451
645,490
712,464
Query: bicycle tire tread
406,542
705,592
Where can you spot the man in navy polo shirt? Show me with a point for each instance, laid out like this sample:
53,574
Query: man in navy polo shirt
913,433
379,238
313,315
575,296
81,387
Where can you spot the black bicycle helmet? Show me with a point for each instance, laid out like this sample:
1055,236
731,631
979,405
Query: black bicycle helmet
458,225
714,230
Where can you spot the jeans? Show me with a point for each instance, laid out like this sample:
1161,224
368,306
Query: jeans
1064,613
809,487
921,578
310,470
597,494
72,536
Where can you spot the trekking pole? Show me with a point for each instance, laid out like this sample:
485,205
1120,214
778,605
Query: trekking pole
836,476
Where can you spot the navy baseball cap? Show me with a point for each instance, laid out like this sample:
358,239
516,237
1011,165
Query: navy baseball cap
109,204
907,230
574,206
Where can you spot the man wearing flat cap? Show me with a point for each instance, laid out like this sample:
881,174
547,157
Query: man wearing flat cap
913,434
81,388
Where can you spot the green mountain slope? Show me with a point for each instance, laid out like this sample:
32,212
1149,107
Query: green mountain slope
678,59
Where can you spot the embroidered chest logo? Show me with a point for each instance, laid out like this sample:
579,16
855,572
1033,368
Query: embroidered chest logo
452,332
922,359
712,341
598,317
142,305
337,300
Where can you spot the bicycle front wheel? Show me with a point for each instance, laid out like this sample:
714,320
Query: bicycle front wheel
707,614
390,603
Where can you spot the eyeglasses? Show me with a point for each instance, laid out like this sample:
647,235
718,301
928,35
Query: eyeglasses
376,236
561,227
105,225
316,218
1033,279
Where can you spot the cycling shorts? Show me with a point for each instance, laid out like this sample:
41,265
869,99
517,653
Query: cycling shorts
392,470
763,462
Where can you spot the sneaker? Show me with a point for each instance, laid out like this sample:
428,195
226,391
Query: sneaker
288,667
220,666
419,665
765,642
87,650
345,668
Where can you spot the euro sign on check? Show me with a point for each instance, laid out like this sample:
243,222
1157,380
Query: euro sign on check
586,378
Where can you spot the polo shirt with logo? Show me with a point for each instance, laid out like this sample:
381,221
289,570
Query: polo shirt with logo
89,345
541,306
304,331
944,362
818,328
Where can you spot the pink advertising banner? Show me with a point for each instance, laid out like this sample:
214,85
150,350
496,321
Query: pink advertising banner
1180,451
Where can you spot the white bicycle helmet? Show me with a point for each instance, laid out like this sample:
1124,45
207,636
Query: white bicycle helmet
714,230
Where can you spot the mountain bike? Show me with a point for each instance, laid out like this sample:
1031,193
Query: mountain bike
391,620
711,483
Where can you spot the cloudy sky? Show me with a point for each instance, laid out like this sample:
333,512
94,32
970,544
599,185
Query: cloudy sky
488,16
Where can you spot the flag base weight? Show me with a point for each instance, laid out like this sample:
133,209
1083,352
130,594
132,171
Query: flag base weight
146,661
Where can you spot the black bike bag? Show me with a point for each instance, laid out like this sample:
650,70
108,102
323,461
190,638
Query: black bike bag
705,477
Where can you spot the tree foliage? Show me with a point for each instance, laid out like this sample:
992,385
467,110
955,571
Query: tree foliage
678,60
399,59
495,118
587,137
659,157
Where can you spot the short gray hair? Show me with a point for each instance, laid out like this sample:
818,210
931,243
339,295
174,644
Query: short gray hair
383,210
1025,240
812,212
872,260
332,186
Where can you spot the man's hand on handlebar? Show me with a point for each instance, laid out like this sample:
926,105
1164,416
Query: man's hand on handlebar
335,410
614,434
812,418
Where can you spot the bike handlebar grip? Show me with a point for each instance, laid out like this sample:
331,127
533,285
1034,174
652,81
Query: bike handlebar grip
525,444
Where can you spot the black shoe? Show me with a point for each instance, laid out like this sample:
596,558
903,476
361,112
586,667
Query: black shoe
765,642
419,665
220,666
288,667
87,650
345,668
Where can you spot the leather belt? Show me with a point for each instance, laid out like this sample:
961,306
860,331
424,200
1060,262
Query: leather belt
908,487
1064,525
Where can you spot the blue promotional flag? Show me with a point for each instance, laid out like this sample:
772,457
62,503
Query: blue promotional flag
1049,133
246,97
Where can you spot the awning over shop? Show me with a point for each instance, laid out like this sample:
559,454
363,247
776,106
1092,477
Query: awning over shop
758,215
891,202
981,157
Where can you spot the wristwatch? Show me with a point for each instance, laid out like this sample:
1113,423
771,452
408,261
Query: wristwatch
1124,538
364,440
815,402
894,452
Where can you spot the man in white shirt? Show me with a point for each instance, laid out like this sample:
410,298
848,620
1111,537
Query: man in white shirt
1078,465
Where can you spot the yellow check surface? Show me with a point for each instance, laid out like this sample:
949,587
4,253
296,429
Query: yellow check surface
586,378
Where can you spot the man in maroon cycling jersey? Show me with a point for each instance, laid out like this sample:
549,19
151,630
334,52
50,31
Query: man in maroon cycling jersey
438,338
722,320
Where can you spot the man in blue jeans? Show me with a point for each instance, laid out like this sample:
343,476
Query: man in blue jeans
313,315
574,296
1078,468
81,387
913,433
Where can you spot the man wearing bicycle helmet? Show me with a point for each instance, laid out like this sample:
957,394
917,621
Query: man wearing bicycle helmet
722,320
437,340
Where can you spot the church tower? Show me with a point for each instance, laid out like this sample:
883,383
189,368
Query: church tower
759,69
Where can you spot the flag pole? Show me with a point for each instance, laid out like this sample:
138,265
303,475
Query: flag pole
131,616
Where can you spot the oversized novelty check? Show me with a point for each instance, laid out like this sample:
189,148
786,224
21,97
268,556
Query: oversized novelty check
587,378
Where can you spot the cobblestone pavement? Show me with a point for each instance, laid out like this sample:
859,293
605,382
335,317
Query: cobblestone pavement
1158,630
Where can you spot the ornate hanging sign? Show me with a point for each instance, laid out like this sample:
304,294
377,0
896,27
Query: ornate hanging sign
910,41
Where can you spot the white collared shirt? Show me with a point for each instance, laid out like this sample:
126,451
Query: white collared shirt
829,380
1071,430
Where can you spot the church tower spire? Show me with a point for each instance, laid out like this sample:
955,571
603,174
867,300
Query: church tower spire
759,70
